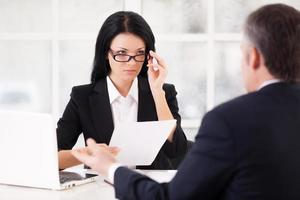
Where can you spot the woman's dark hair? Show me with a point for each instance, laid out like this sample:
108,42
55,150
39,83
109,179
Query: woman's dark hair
119,22
275,31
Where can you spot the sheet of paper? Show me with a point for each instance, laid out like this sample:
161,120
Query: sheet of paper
140,142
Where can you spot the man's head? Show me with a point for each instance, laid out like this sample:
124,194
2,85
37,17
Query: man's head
271,46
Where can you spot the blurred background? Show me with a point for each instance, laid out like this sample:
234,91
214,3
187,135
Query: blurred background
47,46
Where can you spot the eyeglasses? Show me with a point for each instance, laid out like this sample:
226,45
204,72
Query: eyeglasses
126,58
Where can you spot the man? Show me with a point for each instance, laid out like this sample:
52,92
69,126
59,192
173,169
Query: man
247,148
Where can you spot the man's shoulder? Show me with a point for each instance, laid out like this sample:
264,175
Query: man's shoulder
262,99
241,104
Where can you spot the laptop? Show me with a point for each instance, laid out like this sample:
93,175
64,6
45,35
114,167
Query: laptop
28,153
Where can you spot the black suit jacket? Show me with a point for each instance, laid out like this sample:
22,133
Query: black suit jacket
89,112
248,148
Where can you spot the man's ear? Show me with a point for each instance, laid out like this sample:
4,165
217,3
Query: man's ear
254,58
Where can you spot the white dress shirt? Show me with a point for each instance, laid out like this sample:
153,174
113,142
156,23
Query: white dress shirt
123,108
111,172
268,82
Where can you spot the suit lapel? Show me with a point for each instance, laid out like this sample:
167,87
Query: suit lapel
146,106
101,112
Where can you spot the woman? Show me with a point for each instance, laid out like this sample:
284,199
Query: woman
125,86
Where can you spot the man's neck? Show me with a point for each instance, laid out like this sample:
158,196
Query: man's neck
268,82
263,78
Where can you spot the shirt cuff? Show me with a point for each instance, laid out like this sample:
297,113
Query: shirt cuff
111,171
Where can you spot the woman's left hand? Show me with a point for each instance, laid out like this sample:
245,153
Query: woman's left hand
157,72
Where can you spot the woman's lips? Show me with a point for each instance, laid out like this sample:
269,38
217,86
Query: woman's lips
130,71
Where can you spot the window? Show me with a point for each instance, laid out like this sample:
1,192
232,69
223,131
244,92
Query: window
47,46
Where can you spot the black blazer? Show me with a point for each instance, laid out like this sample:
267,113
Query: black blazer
248,148
89,112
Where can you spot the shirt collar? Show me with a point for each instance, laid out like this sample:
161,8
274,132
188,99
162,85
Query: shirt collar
133,92
268,82
114,93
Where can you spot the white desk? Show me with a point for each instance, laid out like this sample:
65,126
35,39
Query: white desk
91,191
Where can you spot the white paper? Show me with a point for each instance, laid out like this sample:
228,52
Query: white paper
140,142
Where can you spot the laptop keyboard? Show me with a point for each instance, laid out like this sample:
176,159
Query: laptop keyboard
69,176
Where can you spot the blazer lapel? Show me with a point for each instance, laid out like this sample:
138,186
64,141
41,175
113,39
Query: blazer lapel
146,105
101,112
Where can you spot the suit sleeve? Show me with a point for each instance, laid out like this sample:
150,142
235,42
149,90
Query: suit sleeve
68,126
204,173
130,185
178,147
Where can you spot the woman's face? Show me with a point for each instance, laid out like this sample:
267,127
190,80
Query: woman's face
121,46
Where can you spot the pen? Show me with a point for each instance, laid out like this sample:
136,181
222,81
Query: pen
109,183
155,63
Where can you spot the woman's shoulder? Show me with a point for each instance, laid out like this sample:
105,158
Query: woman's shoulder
82,88
89,88
80,91
169,88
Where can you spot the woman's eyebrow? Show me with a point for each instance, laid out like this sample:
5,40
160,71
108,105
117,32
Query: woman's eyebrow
141,48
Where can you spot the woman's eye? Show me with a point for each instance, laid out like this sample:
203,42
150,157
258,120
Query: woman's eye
140,52
121,52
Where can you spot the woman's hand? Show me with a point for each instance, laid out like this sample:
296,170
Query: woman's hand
156,81
157,72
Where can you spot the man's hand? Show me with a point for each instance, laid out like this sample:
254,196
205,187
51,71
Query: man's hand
97,156
113,150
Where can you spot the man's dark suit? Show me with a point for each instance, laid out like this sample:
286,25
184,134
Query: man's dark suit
247,148
89,112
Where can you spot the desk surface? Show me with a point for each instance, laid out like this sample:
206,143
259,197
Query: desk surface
95,190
